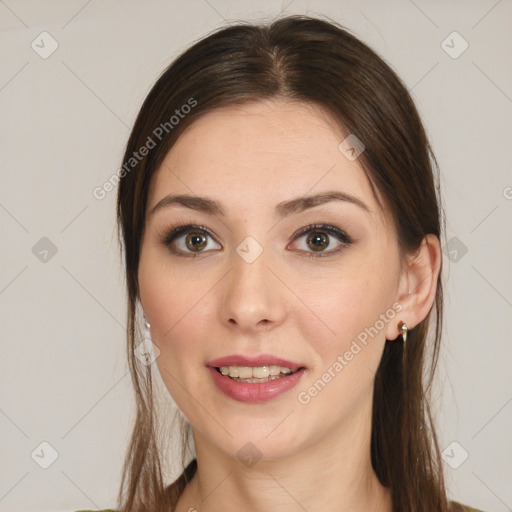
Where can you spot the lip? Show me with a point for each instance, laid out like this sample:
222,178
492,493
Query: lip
260,360
256,392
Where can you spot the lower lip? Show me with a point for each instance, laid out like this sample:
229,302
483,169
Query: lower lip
256,392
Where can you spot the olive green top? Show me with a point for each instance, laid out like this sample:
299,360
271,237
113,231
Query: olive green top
466,509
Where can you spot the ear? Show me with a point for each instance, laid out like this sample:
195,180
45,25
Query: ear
418,285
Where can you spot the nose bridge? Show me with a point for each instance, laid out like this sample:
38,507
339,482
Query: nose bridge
250,266
251,295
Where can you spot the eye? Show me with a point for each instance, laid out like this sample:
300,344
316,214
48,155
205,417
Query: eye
322,240
189,240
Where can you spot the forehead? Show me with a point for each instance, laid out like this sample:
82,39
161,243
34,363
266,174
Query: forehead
270,150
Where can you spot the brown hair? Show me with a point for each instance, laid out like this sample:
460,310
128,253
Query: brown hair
317,62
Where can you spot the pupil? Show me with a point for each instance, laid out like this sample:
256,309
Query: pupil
319,241
196,241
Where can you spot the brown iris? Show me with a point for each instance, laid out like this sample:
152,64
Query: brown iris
317,240
195,241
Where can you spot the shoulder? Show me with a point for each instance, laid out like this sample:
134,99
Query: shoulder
459,507
105,510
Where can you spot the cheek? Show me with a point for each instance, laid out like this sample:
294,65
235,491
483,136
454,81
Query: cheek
344,315
348,342
171,294
159,299
177,328
178,306
342,302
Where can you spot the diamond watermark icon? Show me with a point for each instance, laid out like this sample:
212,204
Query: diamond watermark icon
44,45
44,250
44,455
454,249
249,454
351,147
147,352
249,249
454,455
454,45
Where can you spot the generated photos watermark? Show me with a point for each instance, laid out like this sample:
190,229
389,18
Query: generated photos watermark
343,360
152,141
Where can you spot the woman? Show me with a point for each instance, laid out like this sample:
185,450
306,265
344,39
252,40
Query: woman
281,230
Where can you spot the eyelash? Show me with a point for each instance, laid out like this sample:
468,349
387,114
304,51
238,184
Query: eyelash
171,233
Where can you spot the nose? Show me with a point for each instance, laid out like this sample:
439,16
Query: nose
253,299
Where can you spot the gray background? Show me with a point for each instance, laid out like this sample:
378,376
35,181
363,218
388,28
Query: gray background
64,122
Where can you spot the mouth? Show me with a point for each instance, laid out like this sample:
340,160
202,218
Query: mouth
255,380
256,374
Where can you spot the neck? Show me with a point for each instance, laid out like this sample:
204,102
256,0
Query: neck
333,474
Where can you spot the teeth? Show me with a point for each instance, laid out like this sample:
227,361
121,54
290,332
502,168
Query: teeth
244,372
256,372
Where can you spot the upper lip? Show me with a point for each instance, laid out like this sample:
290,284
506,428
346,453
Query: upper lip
260,360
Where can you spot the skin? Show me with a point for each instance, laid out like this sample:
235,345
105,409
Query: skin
308,310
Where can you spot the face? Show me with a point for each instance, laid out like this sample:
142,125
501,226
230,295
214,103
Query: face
261,271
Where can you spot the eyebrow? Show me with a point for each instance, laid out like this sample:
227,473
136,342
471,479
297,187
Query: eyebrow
283,209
